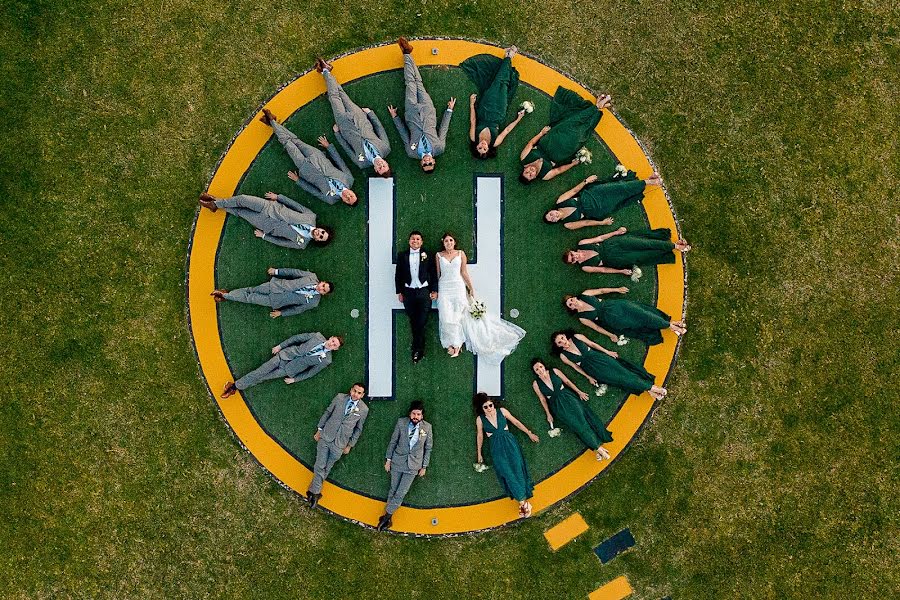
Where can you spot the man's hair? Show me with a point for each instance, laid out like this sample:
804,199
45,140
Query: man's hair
416,405
415,232
359,384
330,286
431,170
387,173
340,339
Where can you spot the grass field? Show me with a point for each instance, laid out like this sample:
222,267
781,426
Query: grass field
770,473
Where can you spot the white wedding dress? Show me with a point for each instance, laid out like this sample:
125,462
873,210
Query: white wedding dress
489,337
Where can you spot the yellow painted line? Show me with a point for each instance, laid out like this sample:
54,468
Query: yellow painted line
561,534
616,589
205,328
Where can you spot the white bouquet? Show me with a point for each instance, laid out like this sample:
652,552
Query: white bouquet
527,106
636,274
477,309
555,432
621,171
480,467
621,341
601,389
584,156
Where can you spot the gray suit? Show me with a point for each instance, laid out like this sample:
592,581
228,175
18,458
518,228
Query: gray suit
355,125
313,166
273,217
336,432
282,292
291,361
420,116
406,461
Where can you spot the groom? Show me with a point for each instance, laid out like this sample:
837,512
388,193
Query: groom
415,281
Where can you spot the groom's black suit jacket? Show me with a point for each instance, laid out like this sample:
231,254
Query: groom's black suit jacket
427,268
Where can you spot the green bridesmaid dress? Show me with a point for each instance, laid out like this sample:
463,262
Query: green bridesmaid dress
497,81
653,247
572,119
604,368
574,413
509,463
628,318
600,200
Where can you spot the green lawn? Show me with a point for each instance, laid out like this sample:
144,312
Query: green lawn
535,279
769,472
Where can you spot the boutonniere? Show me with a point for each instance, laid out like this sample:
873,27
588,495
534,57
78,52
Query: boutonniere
412,146
424,256
422,434
362,158
355,410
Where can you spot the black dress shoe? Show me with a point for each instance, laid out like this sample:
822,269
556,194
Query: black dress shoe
313,499
417,356
384,522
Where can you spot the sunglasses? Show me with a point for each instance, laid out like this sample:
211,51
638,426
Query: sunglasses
487,406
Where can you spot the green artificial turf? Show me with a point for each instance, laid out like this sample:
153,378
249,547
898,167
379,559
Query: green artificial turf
535,279
769,471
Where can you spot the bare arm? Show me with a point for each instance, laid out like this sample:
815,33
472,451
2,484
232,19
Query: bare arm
578,369
508,129
560,170
518,424
530,145
479,438
472,118
601,291
596,346
575,190
570,385
606,270
587,223
602,238
464,271
591,325
543,401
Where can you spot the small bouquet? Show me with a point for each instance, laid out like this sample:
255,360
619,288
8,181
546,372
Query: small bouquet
477,309
584,156
636,274
480,467
621,341
601,389
554,432
527,106
621,171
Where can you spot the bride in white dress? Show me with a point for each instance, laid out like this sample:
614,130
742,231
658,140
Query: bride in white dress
489,337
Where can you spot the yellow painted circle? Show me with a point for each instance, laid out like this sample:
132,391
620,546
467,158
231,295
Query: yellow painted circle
205,327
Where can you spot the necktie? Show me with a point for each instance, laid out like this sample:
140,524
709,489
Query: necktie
335,187
307,291
424,146
303,231
371,152
348,408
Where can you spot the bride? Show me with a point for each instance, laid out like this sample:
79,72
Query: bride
489,337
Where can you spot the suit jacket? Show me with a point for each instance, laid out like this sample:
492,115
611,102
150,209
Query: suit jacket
421,120
316,169
292,351
427,268
341,430
283,289
276,219
398,451
359,125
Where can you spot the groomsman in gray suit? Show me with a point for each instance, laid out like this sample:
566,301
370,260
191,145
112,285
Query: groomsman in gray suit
407,456
327,180
277,219
420,134
289,292
337,433
359,132
297,358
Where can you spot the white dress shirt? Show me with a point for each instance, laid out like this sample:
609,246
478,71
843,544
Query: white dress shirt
415,259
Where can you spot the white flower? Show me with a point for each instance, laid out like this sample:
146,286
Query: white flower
424,256
527,106
554,432
584,155
636,274
622,340
621,170
412,146
480,467
361,158
477,309
601,389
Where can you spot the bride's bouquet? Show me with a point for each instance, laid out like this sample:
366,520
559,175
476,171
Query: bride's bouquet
477,309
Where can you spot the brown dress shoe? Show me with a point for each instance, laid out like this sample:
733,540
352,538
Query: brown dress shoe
219,295
208,201
267,117
230,390
405,46
322,65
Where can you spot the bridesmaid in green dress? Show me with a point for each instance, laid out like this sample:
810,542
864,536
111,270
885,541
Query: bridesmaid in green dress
552,151
626,318
617,250
496,80
599,365
509,463
555,392
591,202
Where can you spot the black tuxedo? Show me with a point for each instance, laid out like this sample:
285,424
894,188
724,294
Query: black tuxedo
416,302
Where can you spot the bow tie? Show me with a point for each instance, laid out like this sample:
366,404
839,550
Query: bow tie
411,251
